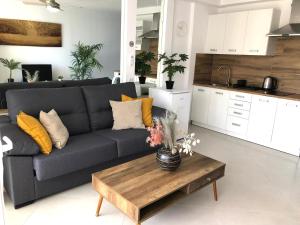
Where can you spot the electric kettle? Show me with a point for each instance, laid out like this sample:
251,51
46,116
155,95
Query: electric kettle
270,84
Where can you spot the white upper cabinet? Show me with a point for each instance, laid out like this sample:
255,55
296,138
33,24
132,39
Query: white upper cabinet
240,33
262,116
235,33
215,34
287,127
258,26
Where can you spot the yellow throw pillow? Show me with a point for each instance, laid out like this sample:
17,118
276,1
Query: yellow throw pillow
146,108
34,128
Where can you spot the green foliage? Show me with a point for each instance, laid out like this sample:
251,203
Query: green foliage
84,61
172,63
10,64
142,63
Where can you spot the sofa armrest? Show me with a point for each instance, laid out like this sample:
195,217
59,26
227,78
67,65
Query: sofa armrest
4,120
23,144
158,112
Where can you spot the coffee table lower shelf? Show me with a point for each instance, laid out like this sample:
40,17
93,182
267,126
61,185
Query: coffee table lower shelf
157,206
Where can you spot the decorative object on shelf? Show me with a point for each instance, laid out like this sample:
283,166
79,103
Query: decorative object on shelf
163,133
60,78
172,66
142,65
32,78
33,33
11,65
85,61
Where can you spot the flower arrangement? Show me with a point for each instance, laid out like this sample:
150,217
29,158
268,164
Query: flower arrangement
164,131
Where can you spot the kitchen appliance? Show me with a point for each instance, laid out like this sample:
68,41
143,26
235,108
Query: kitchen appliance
293,28
270,84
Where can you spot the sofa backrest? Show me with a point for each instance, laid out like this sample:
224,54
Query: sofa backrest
97,100
88,82
49,84
69,103
23,85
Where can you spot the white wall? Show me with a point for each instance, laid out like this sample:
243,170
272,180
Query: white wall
78,24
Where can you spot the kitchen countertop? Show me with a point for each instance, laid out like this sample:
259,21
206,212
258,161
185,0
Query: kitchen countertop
282,95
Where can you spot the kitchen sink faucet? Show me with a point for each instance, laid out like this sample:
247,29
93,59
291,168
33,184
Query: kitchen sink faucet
228,69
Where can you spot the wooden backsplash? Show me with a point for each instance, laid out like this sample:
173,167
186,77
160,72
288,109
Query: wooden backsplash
284,65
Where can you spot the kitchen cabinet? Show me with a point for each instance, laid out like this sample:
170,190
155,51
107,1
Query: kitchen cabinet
259,24
287,127
177,101
217,111
200,104
235,32
261,121
215,34
242,33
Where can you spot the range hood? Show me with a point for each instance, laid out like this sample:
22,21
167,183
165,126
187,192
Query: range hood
154,32
293,28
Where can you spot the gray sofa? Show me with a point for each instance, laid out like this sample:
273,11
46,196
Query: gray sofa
93,145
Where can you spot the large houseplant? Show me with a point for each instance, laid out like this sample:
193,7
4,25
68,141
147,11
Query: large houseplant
11,65
85,61
172,66
142,65
164,134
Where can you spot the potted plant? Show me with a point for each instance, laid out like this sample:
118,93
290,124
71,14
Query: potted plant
60,78
84,61
172,66
11,65
163,134
142,65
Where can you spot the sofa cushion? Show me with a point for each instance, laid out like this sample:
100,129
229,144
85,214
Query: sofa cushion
129,142
82,151
97,99
68,103
88,82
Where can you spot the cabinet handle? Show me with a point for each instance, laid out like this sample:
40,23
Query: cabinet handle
239,105
253,50
236,124
202,90
219,93
213,50
232,50
239,96
264,100
237,113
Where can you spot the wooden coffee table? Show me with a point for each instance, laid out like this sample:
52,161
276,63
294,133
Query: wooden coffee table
140,189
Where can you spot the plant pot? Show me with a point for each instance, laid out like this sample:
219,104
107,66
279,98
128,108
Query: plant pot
10,80
166,160
169,84
142,80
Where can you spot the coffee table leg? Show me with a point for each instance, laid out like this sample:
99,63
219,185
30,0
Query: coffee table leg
215,190
99,205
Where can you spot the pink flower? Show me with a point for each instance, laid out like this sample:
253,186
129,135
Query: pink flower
156,135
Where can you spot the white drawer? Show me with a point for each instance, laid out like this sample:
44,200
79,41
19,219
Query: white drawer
238,113
241,96
239,105
237,125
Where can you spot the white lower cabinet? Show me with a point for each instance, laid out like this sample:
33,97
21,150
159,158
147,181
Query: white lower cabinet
269,121
200,104
261,121
287,127
218,105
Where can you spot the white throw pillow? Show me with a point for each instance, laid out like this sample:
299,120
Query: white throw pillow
127,114
55,127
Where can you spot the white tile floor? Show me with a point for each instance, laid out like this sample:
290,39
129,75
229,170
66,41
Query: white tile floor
261,187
